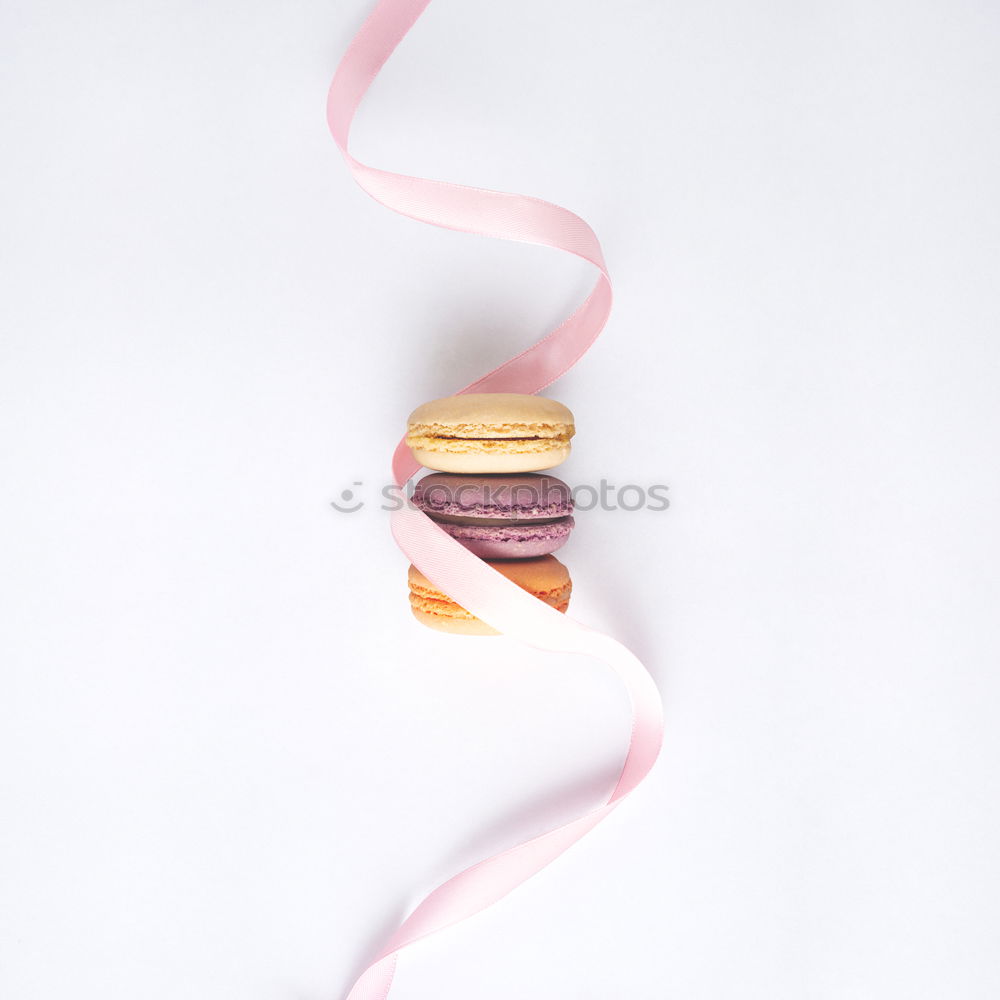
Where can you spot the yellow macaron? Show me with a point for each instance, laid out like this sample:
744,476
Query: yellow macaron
490,432
545,578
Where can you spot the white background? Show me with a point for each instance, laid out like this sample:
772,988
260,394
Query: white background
230,761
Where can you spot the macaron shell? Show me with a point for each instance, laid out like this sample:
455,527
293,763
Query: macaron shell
495,499
495,522
503,414
511,541
496,459
453,626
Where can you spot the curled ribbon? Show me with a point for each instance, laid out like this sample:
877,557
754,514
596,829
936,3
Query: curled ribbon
444,561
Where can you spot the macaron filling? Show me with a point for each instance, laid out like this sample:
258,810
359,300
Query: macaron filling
492,432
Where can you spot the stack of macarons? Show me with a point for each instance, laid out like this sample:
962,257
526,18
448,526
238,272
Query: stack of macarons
490,493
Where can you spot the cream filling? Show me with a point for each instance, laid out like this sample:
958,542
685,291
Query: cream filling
529,429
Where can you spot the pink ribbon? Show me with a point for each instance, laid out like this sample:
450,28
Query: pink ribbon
451,567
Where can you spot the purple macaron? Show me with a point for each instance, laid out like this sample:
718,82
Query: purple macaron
499,517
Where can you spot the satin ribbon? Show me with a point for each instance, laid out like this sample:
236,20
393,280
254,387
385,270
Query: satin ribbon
451,567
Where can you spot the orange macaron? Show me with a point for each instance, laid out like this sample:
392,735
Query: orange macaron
545,578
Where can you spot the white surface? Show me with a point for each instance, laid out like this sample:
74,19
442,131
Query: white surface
229,759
